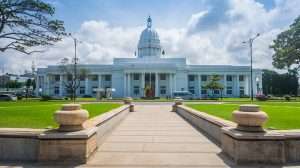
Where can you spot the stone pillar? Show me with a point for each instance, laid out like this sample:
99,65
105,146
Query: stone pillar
156,85
177,102
86,85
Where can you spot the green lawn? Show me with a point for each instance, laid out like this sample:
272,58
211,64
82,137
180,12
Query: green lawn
282,115
36,114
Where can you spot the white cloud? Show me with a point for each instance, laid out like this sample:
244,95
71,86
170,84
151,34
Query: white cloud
221,44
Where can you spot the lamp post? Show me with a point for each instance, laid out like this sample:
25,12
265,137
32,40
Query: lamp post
75,65
250,41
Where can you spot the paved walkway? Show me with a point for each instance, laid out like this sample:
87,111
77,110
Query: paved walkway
155,137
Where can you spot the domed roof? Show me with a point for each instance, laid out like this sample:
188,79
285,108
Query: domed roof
149,43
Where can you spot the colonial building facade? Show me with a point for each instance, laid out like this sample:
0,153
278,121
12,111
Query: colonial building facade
151,75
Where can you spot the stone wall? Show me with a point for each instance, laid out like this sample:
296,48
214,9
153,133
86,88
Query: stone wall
270,147
18,144
209,124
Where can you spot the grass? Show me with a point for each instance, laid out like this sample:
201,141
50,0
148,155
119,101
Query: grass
36,114
282,115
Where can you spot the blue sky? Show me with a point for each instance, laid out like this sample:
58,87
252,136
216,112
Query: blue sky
203,31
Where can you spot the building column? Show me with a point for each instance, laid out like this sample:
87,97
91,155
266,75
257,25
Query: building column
124,83
143,84
237,86
225,85
170,84
86,85
37,84
99,81
128,84
61,89
175,86
156,85
199,86
48,85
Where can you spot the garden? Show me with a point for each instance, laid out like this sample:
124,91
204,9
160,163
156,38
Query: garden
39,114
282,115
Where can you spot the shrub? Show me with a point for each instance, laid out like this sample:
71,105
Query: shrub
86,96
261,97
287,97
46,98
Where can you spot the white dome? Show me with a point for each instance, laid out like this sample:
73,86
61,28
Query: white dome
149,43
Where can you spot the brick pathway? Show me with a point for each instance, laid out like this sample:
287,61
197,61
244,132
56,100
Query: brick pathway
155,137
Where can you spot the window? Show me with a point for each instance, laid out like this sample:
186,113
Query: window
192,89
241,78
56,78
163,90
56,90
203,91
191,78
94,87
70,77
107,78
82,77
94,77
229,90
82,90
242,91
163,77
216,91
136,90
229,78
204,78
136,77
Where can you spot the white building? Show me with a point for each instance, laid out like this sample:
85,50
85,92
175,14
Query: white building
151,75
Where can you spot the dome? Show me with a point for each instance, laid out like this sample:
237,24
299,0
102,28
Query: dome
149,43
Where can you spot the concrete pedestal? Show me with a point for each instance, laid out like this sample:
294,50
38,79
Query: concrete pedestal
253,148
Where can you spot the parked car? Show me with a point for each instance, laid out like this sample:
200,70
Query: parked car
8,97
183,94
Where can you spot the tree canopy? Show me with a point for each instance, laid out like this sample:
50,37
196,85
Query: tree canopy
287,47
26,24
280,84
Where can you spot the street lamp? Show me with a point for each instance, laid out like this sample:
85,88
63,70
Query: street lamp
75,63
250,41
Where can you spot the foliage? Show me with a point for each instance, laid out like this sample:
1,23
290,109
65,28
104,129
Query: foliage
287,97
26,24
287,47
282,115
46,98
279,84
261,97
214,84
13,84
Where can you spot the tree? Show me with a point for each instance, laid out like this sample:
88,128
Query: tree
280,84
214,84
287,47
73,74
29,85
27,24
